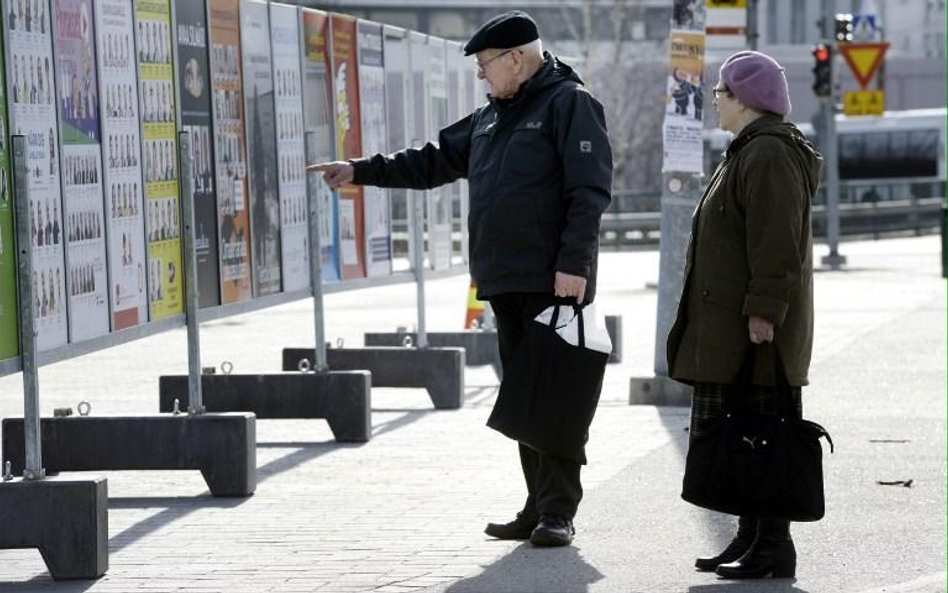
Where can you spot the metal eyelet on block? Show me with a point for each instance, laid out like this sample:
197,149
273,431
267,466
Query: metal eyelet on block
177,407
304,366
227,367
408,342
84,408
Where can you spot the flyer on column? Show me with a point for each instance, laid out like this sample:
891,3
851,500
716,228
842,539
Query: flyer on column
81,171
397,91
121,146
194,83
164,269
230,153
291,158
348,142
261,146
318,119
9,313
30,87
378,234
684,100
439,199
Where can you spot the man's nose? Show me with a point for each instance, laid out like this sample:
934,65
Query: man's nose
480,74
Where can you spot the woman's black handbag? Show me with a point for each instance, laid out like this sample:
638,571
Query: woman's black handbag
768,466
550,390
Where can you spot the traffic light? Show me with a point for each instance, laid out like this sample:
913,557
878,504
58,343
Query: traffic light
822,70
844,27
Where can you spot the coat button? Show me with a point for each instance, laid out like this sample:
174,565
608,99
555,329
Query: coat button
705,293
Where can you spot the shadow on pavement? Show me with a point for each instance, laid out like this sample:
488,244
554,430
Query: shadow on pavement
528,569
44,582
751,586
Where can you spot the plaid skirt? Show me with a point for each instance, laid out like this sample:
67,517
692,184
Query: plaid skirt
707,402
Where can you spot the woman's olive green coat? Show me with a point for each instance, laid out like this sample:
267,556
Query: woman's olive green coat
750,254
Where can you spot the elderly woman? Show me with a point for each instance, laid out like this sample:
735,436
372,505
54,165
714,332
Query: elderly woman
748,287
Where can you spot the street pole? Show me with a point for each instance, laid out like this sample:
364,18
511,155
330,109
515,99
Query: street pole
316,258
751,28
834,260
185,164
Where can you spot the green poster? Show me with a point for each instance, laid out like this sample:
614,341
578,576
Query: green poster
9,338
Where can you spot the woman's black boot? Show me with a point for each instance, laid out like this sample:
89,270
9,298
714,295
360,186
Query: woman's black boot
746,532
772,554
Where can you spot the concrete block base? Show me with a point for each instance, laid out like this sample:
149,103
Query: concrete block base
343,399
658,391
66,518
438,370
222,446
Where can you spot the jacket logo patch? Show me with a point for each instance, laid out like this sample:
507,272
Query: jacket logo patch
585,146
534,125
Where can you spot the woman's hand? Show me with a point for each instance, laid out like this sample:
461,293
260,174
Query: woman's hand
760,330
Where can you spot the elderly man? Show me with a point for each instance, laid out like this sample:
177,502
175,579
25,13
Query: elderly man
539,164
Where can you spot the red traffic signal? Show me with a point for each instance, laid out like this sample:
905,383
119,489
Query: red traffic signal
822,70
821,52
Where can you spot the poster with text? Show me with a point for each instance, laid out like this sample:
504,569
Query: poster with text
378,216
397,93
32,98
194,102
162,208
453,54
9,314
417,126
291,154
439,199
121,142
81,154
261,146
318,121
230,153
348,128
684,102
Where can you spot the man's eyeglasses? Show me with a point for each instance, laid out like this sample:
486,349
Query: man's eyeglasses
718,92
482,65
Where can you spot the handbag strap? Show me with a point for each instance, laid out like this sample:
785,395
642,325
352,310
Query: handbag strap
744,382
578,311
555,316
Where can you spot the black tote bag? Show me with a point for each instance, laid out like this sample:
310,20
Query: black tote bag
770,466
550,390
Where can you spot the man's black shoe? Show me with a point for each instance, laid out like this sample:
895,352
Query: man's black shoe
553,530
519,528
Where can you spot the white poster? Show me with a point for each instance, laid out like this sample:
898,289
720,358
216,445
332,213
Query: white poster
378,220
347,233
417,124
32,96
121,141
453,53
397,94
291,155
684,103
439,199
81,172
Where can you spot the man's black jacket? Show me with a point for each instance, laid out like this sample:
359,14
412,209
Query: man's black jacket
539,168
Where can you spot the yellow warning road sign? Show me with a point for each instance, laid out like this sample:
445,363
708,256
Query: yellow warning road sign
727,4
864,58
863,102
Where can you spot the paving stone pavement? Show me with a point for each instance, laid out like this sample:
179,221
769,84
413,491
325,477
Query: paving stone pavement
404,512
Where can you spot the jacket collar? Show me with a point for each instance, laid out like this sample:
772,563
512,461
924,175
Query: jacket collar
767,121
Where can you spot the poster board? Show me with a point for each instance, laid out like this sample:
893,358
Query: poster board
9,313
439,199
397,102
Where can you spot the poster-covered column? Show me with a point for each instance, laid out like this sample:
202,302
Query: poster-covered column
397,92
318,121
348,128
121,146
378,216
190,42
9,319
439,199
261,146
417,124
291,158
233,205
81,171
30,87
453,53
164,271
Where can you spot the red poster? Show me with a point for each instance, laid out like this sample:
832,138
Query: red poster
348,142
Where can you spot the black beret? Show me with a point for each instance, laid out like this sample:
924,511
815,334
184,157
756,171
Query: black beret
511,29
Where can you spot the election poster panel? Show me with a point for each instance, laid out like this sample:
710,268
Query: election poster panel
378,222
397,92
190,31
261,146
439,199
318,121
229,151
291,158
81,172
156,105
684,103
453,54
121,141
32,97
348,128
418,125
9,314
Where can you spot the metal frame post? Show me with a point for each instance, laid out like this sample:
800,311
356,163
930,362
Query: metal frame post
418,208
830,149
316,262
33,465
196,402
